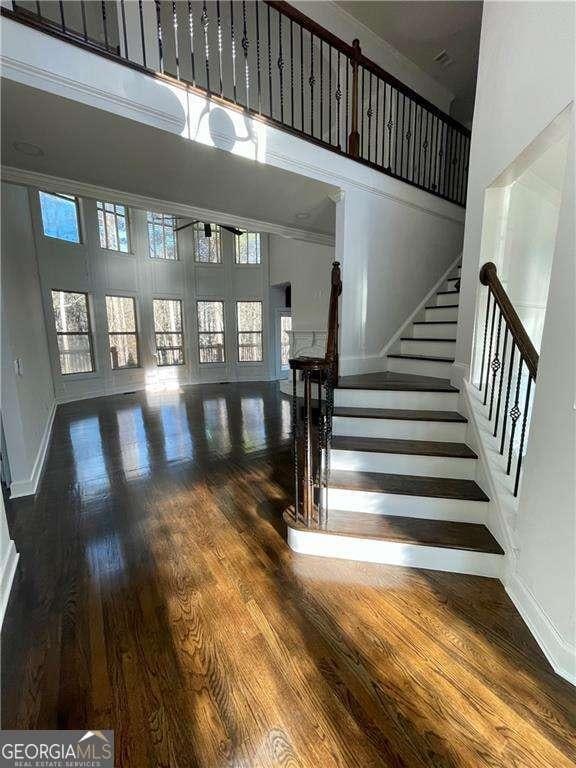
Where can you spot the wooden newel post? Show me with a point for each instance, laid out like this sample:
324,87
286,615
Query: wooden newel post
354,137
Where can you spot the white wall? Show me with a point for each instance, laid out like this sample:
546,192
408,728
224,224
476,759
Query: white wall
88,267
525,79
27,397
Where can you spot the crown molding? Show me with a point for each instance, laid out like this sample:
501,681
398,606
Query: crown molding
26,178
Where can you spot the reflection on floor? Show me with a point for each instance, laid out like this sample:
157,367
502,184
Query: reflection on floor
156,596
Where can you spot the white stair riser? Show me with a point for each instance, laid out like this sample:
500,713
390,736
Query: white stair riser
438,370
433,331
451,313
439,348
374,503
446,299
380,398
394,553
439,431
450,284
403,464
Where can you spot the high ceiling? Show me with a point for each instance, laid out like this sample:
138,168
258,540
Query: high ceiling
421,29
99,148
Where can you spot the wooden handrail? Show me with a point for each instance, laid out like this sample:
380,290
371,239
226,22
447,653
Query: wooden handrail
489,277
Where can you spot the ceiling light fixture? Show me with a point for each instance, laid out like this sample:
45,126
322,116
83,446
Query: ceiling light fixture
32,150
443,58
302,216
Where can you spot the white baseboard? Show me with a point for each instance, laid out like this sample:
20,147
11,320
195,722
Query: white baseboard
29,486
560,653
350,365
459,374
7,573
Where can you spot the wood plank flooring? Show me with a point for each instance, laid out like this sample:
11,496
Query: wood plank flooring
156,596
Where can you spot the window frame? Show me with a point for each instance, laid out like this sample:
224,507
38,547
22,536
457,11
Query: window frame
89,333
261,332
126,216
211,300
135,333
64,196
164,333
162,259
248,263
215,228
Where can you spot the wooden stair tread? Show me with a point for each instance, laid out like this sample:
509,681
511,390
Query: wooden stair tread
407,447
472,537
445,306
399,414
443,293
398,382
407,485
427,338
421,357
435,322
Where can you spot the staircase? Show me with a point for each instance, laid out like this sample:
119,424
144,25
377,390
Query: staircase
402,486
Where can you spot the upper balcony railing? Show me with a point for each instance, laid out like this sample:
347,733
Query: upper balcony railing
275,63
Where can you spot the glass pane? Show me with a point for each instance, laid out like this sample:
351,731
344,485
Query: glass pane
285,328
60,217
121,313
211,347
122,234
70,311
167,315
207,249
170,357
75,354
111,231
161,236
168,339
249,315
101,228
123,350
248,248
210,316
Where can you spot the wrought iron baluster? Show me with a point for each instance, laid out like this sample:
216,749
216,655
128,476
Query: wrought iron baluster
346,113
425,149
497,418
515,413
495,365
63,19
321,91
369,114
191,34
281,67
397,121
522,435
292,72
219,36
301,79
270,97
311,81
402,135
233,49
204,21
84,23
175,27
338,97
258,73
295,436
390,125
245,47
508,388
490,350
383,136
486,323
330,94
159,36
123,8
434,152
142,37
362,102
377,120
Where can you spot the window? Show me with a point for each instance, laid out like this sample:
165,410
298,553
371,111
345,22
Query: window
162,236
73,331
285,330
207,249
211,331
168,329
60,216
249,331
247,248
122,331
113,226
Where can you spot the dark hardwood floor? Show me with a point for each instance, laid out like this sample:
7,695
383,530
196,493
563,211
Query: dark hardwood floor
156,596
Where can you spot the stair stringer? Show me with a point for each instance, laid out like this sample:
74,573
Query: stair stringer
390,345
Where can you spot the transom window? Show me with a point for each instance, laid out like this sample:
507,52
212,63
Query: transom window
162,236
211,331
113,226
207,245
168,330
247,248
60,217
285,329
122,331
249,315
73,331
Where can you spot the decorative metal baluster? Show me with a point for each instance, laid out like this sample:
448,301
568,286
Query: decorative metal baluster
142,37
347,102
318,470
460,166
488,300
330,94
523,435
191,33
409,166
515,413
490,350
233,49
430,148
425,150
219,36
419,165
508,387
362,101
311,81
307,448
338,97
204,21
281,68
397,121
123,8
38,9
258,74
495,433
63,20
295,435
292,72
175,27
383,136
377,119
321,91
270,97
402,135
495,365
390,125
245,47
434,151
369,114
159,36
84,23
301,79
